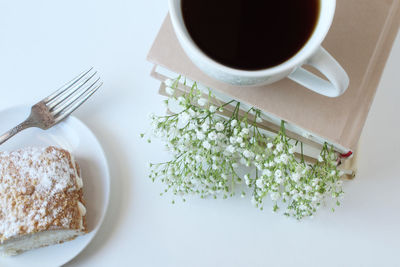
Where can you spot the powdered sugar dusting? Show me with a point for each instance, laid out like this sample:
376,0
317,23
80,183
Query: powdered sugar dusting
40,189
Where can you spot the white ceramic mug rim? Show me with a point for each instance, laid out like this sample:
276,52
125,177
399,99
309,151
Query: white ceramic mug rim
327,11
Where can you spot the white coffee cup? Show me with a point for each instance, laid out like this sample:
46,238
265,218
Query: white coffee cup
312,54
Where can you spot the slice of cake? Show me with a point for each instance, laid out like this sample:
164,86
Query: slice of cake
41,200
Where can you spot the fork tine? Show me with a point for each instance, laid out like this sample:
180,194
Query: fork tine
66,86
69,100
69,92
76,103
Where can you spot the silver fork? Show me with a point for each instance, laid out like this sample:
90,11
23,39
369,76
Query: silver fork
60,104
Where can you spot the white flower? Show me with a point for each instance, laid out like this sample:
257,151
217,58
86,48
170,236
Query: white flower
212,136
320,159
271,164
192,126
192,112
270,145
233,123
258,166
315,182
291,150
284,158
172,134
247,179
275,196
213,109
278,173
205,126
219,127
230,149
169,90
181,100
267,172
232,140
224,176
239,140
184,118
296,177
169,82
279,180
206,145
214,167
248,154
198,158
302,207
200,135
260,183
259,120
279,147
221,136
202,102
245,131
216,149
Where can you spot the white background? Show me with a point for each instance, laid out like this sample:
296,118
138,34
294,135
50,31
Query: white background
45,43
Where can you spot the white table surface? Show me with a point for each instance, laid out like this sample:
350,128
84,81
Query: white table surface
45,43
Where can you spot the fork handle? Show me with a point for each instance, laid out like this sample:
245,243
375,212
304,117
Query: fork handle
15,130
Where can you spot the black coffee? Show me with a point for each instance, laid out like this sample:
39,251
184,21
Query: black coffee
250,34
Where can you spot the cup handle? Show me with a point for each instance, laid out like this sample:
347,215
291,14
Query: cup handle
328,66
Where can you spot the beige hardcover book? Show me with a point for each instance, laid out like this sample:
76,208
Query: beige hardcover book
361,38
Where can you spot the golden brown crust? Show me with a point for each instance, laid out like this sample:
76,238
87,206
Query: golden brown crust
39,191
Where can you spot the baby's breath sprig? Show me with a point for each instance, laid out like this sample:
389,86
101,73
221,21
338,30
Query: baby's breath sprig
209,148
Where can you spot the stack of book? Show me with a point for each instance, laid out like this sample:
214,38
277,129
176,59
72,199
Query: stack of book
360,39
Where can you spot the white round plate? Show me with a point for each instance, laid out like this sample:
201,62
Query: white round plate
74,136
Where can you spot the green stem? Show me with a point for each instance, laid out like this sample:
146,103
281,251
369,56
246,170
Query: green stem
228,103
235,111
